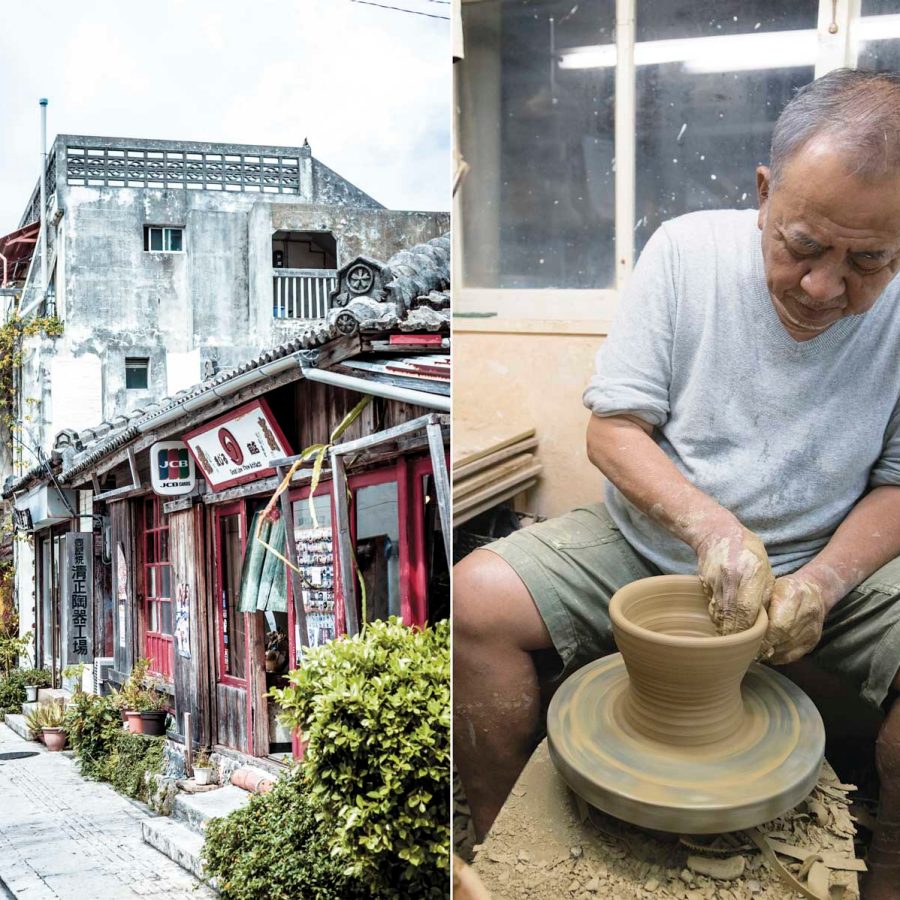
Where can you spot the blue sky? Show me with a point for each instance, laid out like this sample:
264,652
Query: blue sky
369,87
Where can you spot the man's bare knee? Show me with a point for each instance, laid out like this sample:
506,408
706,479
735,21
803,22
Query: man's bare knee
491,603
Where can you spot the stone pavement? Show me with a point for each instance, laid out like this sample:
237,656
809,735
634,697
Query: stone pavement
63,837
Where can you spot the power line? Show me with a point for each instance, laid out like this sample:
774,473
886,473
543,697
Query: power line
413,12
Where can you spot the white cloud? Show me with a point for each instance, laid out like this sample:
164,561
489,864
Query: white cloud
369,87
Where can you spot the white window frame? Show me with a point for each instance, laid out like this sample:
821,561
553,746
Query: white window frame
571,311
166,237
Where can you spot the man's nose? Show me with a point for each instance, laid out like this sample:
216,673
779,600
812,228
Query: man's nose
823,282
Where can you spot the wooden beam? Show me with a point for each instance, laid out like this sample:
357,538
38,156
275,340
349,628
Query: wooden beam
290,551
382,436
441,482
121,493
345,556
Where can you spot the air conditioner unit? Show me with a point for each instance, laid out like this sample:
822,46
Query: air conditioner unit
100,681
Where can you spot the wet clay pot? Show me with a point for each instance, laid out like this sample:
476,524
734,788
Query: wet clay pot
135,723
685,680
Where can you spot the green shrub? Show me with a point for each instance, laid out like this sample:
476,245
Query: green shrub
37,677
132,762
107,752
375,710
92,724
12,691
273,849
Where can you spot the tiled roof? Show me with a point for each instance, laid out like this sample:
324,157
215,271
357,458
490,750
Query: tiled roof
425,268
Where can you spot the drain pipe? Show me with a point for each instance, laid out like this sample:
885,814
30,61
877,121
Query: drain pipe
43,218
378,389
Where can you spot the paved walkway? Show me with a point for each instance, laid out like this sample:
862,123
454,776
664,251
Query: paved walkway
63,837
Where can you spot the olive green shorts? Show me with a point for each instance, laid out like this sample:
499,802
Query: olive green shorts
573,564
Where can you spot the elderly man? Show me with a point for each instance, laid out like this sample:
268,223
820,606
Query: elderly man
746,413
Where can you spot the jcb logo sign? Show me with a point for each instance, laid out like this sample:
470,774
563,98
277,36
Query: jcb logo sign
171,468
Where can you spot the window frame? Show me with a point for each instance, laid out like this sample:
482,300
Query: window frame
153,641
577,311
165,235
131,362
221,512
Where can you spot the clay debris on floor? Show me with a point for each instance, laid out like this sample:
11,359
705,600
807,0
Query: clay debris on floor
546,846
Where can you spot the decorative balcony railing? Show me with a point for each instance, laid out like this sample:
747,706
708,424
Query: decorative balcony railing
302,293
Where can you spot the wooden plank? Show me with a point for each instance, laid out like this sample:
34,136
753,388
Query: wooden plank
497,456
342,533
290,551
258,727
441,483
460,518
504,484
464,486
472,445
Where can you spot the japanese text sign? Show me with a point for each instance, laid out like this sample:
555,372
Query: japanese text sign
77,583
237,447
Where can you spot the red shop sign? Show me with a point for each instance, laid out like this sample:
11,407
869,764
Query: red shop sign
236,448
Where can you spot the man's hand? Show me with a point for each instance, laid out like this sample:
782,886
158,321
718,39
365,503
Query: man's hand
734,569
796,615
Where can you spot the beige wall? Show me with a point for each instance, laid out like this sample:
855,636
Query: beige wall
530,379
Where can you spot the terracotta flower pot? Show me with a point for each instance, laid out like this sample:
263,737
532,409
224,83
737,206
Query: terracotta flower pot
685,680
54,739
135,722
154,723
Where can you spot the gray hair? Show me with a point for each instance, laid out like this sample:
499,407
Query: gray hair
859,112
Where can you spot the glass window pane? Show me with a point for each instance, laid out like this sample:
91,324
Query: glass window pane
156,239
150,546
378,548
302,516
165,618
164,545
879,36
173,239
536,123
153,616
708,98
165,581
153,590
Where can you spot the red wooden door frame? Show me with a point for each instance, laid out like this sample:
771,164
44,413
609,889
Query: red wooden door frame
220,512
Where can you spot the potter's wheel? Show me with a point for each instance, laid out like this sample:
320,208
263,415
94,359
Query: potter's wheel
756,774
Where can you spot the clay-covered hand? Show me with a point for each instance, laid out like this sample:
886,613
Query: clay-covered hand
796,615
735,572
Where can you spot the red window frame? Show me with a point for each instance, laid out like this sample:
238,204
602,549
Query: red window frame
158,646
222,677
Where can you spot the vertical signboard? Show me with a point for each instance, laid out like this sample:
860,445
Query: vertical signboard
77,584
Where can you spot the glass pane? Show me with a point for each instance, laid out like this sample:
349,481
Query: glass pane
165,618
302,516
710,86
173,239
536,124
153,616
156,240
378,548
232,621
153,588
879,36
150,546
164,545
165,581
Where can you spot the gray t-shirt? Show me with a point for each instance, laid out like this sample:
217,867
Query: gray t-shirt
787,435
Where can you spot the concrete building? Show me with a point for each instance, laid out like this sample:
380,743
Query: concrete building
167,262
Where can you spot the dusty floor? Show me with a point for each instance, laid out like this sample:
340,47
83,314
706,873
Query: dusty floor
543,846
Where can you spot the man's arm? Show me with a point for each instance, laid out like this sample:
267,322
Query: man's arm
867,539
732,560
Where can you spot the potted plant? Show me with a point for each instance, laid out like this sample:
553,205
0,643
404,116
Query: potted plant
153,713
35,679
202,767
53,733
131,697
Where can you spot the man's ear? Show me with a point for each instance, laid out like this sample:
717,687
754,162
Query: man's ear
763,187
